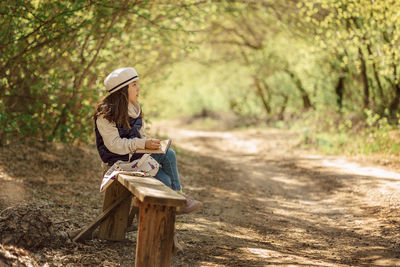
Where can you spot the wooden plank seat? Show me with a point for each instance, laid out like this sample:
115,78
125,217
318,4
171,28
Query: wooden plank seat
157,208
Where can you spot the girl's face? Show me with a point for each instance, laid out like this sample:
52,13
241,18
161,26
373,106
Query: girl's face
133,91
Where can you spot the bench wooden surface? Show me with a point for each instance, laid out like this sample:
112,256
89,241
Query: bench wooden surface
152,191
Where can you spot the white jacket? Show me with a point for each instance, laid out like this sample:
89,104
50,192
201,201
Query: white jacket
111,138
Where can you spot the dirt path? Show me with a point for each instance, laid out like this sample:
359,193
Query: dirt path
267,203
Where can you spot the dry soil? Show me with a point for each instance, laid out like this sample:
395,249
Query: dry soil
266,202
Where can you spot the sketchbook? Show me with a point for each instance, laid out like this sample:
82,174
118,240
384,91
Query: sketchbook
162,150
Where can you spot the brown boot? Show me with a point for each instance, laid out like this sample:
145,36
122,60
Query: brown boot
191,205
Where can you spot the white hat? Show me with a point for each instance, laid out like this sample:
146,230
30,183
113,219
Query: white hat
120,78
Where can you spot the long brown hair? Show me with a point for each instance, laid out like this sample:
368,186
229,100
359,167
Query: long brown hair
114,108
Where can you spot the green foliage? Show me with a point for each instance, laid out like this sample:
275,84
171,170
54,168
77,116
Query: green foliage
363,37
333,68
324,69
55,54
193,88
372,134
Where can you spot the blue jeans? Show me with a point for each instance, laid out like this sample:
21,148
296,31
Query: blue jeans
168,172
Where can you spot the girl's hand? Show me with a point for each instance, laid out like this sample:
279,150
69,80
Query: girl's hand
152,144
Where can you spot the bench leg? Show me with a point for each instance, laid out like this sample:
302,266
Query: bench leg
134,212
155,235
114,226
87,232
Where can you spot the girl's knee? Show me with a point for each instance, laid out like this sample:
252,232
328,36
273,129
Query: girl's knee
167,182
171,154
165,179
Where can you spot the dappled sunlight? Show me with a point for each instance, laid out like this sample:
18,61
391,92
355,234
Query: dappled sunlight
200,226
218,228
244,90
269,209
386,262
301,204
196,133
357,169
13,191
282,258
379,185
5,177
228,193
192,188
287,180
243,146
237,142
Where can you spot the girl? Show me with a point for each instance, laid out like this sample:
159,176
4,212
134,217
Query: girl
119,131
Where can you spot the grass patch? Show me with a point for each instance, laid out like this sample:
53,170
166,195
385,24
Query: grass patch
336,135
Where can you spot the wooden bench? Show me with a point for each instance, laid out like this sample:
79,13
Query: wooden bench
157,208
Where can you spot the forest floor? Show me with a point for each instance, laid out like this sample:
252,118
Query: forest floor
265,202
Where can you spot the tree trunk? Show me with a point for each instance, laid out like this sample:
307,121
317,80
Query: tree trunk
306,99
394,105
261,94
339,89
364,77
376,76
283,107
73,105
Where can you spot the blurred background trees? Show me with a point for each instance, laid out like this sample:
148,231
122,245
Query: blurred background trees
326,66
55,54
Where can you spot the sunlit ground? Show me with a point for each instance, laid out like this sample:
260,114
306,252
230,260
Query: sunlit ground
323,206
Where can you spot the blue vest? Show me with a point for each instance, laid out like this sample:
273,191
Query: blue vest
106,155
